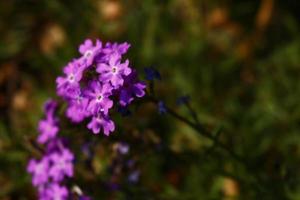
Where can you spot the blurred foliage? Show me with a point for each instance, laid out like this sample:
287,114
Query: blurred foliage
238,60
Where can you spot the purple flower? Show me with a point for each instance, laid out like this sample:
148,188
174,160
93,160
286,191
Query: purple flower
39,170
50,107
183,100
53,191
87,150
48,129
47,173
106,77
123,148
112,186
62,165
83,197
130,163
152,74
98,94
77,109
131,88
89,52
124,111
69,85
101,122
114,48
56,162
54,145
134,176
114,71
91,96
162,107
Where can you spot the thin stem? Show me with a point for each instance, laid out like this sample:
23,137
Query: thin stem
193,113
201,130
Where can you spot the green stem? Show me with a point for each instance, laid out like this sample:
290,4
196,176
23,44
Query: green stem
202,131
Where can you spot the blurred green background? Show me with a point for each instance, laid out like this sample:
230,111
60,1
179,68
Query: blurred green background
239,61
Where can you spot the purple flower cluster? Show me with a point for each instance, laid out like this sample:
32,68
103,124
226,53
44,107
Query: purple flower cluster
50,172
91,86
93,83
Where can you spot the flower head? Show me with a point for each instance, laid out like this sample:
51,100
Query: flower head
92,97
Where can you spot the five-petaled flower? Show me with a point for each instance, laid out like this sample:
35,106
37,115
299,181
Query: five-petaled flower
39,170
62,165
114,71
98,94
69,84
89,52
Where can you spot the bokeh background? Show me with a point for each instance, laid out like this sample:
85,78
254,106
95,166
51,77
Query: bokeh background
239,62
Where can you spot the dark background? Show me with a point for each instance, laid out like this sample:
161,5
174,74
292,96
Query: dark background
239,61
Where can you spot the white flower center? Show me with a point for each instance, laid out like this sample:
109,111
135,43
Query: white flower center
78,99
48,127
61,163
39,168
114,70
71,78
99,98
88,53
